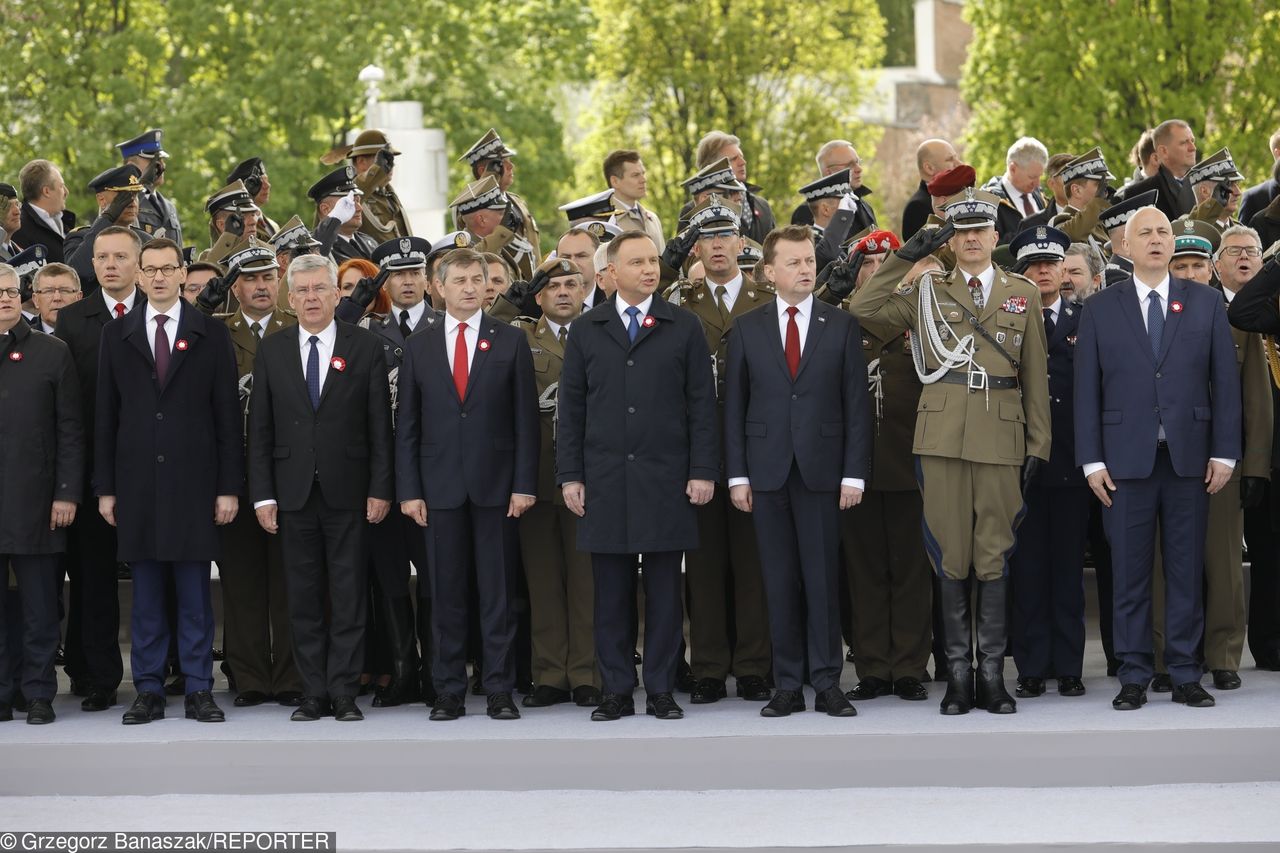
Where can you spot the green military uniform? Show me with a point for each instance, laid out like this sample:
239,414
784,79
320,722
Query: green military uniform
384,217
1082,225
485,194
235,198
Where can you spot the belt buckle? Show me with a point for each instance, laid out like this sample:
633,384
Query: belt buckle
977,380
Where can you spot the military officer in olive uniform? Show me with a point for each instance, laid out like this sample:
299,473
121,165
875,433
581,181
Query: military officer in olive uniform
728,619
982,427
116,191
490,156
1084,180
489,215
233,219
253,174
156,214
374,160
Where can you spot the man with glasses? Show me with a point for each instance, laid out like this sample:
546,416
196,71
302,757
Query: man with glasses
54,286
199,274
836,156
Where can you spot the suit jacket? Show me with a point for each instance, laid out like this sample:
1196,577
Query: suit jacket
1009,215
156,212
1267,223
358,245
34,231
916,211
166,451
43,458
481,449
1123,393
344,446
1061,469
1252,201
1173,197
637,422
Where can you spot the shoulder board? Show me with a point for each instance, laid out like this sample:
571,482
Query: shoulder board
365,321
225,315
523,322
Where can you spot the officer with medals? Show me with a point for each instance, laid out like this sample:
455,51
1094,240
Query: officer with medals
982,427
157,215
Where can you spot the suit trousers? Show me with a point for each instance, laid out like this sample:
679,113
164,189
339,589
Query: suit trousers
728,620
615,620
255,608
326,557
456,539
889,585
1047,575
1179,505
984,539
561,598
798,530
150,624
93,608
35,610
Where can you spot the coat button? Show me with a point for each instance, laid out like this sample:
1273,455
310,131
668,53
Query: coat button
464,414
160,458
630,363
631,457
631,410
1158,375
159,416
795,397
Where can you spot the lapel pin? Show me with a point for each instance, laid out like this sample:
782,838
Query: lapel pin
15,356
483,345
338,364
181,345
648,321
822,319
751,294
1175,307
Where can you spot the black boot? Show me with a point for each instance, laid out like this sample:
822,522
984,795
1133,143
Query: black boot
992,637
957,629
396,615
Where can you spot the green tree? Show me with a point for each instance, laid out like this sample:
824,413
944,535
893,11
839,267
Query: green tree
1076,75
780,75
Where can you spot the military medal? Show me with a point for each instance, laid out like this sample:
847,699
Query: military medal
483,345
181,345
338,364
15,356
648,321
1015,305
1175,307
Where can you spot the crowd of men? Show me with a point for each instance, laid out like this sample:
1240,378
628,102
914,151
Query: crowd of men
802,437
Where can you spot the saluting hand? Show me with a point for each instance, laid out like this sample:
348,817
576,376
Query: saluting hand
417,510
376,509
107,509
1216,476
700,491
575,498
225,508
1100,482
63,513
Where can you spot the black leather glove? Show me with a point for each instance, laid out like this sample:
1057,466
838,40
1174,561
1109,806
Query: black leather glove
679,247
1030,467
118,204
522,293
25,288
843,277
385,160
1222,193
833,236
925,242
512,220
1020,267
234,225
1108,192
216,290
367,288
154,170
1252,491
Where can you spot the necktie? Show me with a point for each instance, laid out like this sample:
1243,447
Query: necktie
256,329
119,309
460,361
313,372
1155,322
1048,322
792,347
975,292
162,349
564,335
633,325
1026,205
405,329
722,297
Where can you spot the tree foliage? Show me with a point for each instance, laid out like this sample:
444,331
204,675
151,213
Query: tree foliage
1076,75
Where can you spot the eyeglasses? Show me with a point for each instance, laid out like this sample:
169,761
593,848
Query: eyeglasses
59,291
167,270
9,293
307,291
1247,251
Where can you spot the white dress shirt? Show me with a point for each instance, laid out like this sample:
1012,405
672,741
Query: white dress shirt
555,327
732,288
589,301
111,302
472,337
622,307
1017,197
170,325
54,222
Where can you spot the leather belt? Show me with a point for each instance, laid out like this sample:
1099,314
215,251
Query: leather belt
954,377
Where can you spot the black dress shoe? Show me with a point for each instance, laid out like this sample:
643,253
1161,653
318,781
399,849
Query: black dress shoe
613,706
345,709
310,709
1030,687
753,689
1193,695
6,713
784,703
664,707
1161,683
544,697
833,703
848,657
1070,685
177,686
708,690
1130,698
147,707
1226,679
98,700
289,698
586,696
39,712
502,708
200,706
249,698
910,689
79,688
219,655
870,688
448,706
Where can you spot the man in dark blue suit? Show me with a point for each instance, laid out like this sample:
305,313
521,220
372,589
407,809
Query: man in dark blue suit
167,384
798,450
1047,565
467,438
1254,200
1158,430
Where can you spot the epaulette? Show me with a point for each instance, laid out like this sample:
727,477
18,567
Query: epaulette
523,322
224,315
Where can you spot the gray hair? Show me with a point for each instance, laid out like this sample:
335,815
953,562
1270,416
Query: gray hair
828,147
1092,257
311,263
710,146
1027,151
7,271
1234,230
51,270
601,258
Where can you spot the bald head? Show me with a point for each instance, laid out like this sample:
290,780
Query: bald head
934,156
1148,240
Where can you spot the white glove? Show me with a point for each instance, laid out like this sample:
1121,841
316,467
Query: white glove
848,201
345,208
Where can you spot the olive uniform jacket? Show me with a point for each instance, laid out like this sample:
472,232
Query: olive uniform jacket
384,217
548,361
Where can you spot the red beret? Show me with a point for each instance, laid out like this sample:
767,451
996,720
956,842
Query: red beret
878,242
948,183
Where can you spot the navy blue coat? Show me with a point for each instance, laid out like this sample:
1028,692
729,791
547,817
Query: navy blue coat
1123,392
166,452
1061,469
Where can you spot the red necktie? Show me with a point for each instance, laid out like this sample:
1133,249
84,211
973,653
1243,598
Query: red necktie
460,361
119,309
792,348
1026,205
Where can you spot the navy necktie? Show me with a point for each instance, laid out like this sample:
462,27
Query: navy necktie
1155,322
1048,322
313,372
633,325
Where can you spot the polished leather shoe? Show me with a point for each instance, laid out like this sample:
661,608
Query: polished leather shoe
200,706
870,688
833,703
1193,695
249,698
500,707
147,707
613,706
708,690
664,707
98,700
1030,687
6,713
1070,685
289,698
544,697
1130,698
753,689
40,712
448,706
1226,679
177,686
586,696
310,709
784,703
910,689
345,709
1161,683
